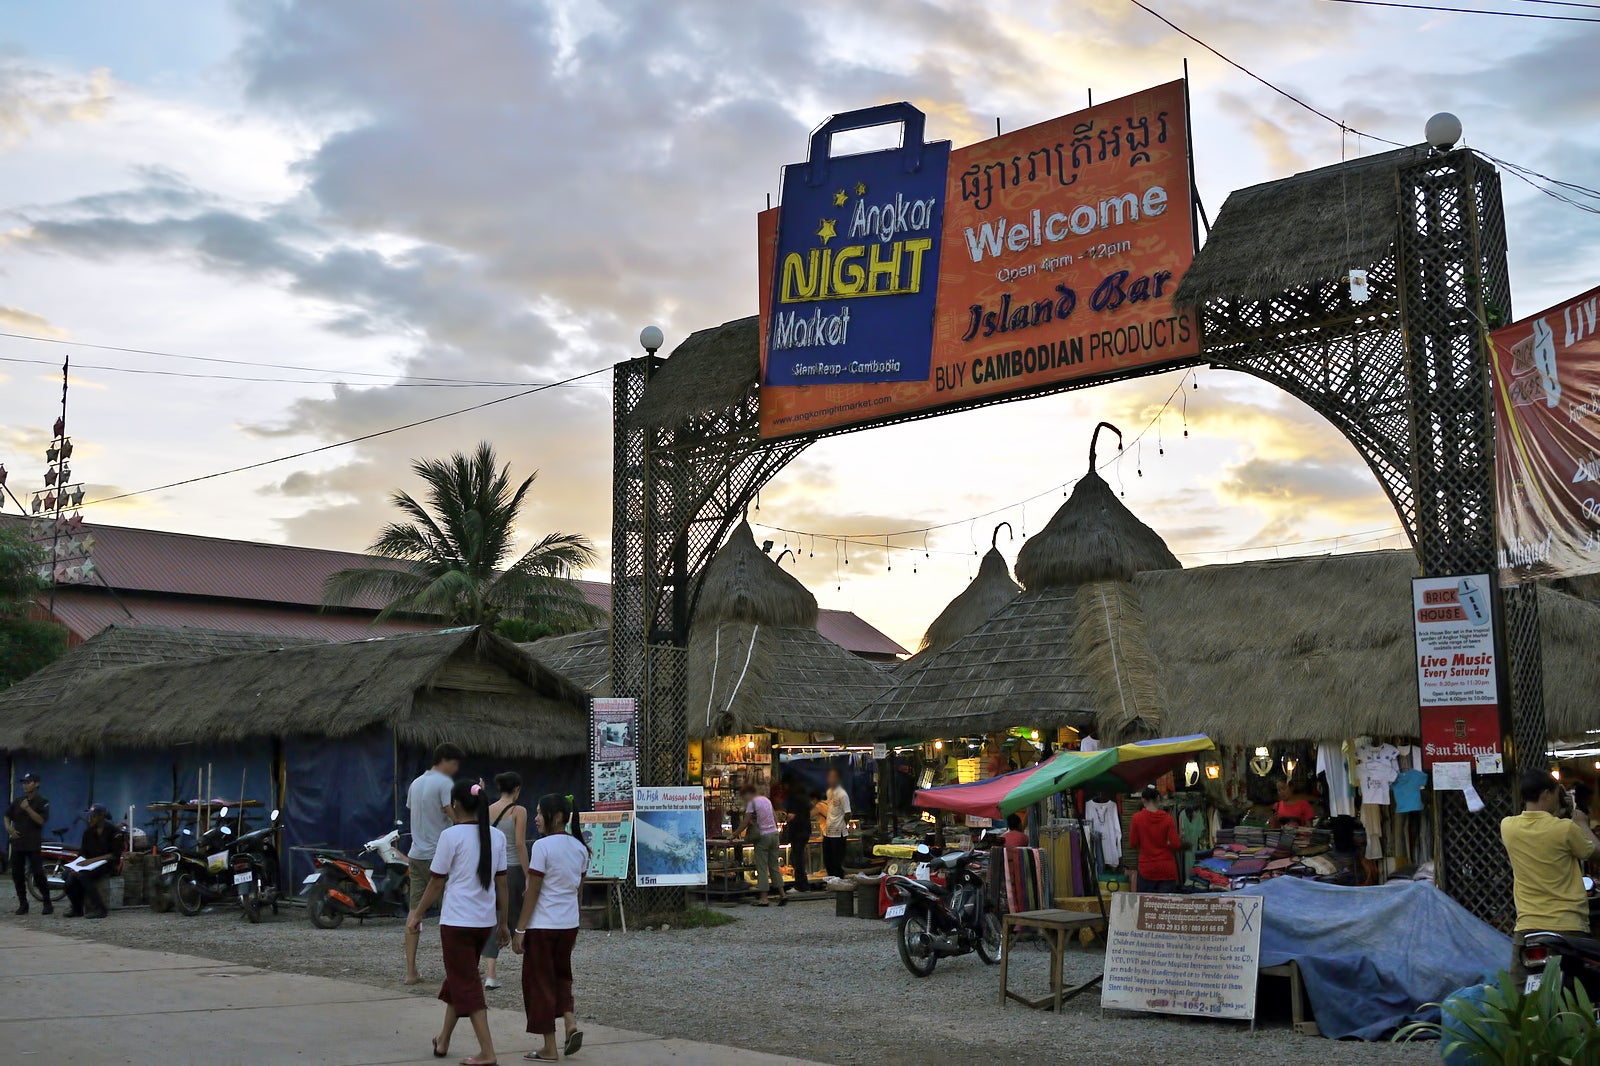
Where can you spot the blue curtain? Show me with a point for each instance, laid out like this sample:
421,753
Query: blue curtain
135,777
65,782
857,772
338,793
228,765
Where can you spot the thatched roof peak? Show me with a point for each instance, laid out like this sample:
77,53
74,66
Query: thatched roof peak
1093,537
991,590
712,370
743,585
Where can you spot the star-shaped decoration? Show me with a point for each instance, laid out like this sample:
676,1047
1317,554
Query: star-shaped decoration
840,198
861,188
826,232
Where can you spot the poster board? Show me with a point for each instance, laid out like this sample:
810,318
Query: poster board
1458,694
1196,955
613,753
609,835
923,278
669,836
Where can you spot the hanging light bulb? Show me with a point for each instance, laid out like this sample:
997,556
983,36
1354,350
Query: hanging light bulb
938,745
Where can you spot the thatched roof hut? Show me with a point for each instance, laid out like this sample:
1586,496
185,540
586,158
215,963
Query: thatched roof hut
712,370
1306,230
756,660
465,685
583,658
1323,649
985,594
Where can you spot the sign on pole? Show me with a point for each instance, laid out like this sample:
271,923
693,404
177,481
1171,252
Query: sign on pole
1458,694
1547,442
669,836
1183,954
922,278
609,835
613,752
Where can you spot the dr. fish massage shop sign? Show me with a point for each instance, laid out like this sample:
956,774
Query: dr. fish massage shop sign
1183,954
1457,684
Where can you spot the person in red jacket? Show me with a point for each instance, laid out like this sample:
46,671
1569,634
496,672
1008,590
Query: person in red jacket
1154,835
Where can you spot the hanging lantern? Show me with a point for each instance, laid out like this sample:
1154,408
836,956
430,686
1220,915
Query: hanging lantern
1191,773
1213,771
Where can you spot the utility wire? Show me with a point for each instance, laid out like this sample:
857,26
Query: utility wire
353,440
300,381
1537,15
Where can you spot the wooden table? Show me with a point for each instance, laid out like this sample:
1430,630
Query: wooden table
1057,926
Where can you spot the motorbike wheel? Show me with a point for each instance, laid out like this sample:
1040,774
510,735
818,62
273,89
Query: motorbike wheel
914,926
990,944
252,908
191,898
55,884
323,916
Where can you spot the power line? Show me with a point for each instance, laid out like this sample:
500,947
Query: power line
353,440
297,381
1537,15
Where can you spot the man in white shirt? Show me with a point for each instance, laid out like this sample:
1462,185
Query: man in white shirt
428,799
836,829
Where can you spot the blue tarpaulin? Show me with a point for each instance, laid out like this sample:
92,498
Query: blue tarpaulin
340,793
66,783
135,778
1371,957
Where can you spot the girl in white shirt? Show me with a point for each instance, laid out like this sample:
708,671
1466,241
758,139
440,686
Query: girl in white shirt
547,928
471,862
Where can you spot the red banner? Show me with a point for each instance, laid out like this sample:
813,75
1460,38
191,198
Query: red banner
1547,442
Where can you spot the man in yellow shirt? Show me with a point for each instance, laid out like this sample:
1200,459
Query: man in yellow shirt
1547,844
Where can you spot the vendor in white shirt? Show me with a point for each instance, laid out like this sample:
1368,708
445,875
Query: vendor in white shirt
836,828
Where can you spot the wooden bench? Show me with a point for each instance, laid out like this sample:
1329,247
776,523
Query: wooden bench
1297,997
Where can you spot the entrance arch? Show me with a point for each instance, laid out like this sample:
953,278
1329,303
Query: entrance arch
1403,376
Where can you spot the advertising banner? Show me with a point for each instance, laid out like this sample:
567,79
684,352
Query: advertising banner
1547,442
1183,954
1052,255
669,836
609,835
613,753
1457,677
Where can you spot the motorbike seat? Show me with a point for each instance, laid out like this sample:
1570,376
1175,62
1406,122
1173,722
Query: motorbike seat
1581,942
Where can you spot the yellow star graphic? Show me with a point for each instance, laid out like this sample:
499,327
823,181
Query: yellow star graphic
826,230
840,197
861,188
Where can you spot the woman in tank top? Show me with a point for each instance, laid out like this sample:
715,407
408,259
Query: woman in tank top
508,815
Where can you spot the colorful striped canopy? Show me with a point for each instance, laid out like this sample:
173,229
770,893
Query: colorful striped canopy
1132,765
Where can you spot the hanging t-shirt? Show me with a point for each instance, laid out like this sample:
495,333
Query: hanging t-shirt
1407,789
1103,818
1331,765
1380,765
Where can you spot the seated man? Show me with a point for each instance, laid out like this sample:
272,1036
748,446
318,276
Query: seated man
87,875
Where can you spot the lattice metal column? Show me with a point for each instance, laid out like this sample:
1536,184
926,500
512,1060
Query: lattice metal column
1453,281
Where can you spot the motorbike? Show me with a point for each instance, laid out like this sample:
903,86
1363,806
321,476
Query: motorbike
1579,953
53,857
256,870
375,884
195,872
934,921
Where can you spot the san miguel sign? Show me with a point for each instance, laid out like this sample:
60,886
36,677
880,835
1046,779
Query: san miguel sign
921,278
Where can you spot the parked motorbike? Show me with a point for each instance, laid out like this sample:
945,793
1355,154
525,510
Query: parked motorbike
375,884
255,869
934,921
195,872
1579,953
53,857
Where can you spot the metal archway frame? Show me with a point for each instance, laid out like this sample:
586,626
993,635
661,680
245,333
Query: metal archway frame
1404,379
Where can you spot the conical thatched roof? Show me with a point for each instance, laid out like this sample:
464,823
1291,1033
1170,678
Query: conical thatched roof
991,590
584,658
1306,230
743,584
1093,537
712,370
1323,649
756,660
464,685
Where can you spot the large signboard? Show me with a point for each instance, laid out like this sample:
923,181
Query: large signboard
1183,954
1547,442
669,836
613,752
1458,691
609,835
1051,254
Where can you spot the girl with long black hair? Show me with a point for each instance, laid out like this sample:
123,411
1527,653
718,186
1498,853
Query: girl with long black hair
469,870
547,928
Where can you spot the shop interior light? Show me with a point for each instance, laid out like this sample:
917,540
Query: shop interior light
750,744
1191,772
1033,735
1262,752
1556,773
938,745
1213,771
1288,767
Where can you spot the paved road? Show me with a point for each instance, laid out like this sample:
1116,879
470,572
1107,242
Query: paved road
69,1000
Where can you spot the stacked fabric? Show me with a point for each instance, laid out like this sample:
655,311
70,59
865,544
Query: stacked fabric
1027,885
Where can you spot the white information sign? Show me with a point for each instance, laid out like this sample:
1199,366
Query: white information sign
1183,954
1455,641
669,835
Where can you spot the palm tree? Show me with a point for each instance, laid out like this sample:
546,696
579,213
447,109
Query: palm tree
454,555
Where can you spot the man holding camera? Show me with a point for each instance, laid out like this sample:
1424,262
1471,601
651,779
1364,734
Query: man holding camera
1547,844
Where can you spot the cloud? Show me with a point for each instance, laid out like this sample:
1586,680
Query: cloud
16,320
31,97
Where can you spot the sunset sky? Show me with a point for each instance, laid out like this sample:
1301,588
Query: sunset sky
387,200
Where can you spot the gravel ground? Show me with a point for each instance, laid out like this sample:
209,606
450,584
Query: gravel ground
795,980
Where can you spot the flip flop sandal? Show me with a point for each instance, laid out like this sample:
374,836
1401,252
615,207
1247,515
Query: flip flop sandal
574,1044
536,1057
436,1052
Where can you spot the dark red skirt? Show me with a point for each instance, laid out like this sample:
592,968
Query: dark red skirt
547,977
461,947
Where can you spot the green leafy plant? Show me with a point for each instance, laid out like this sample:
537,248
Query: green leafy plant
27,641
1552,1026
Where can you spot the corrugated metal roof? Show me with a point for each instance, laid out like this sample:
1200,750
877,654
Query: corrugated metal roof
87,611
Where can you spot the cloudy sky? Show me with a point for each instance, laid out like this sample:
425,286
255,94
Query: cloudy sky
370,204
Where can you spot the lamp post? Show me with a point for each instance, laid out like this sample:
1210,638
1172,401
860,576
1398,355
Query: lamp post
650,339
